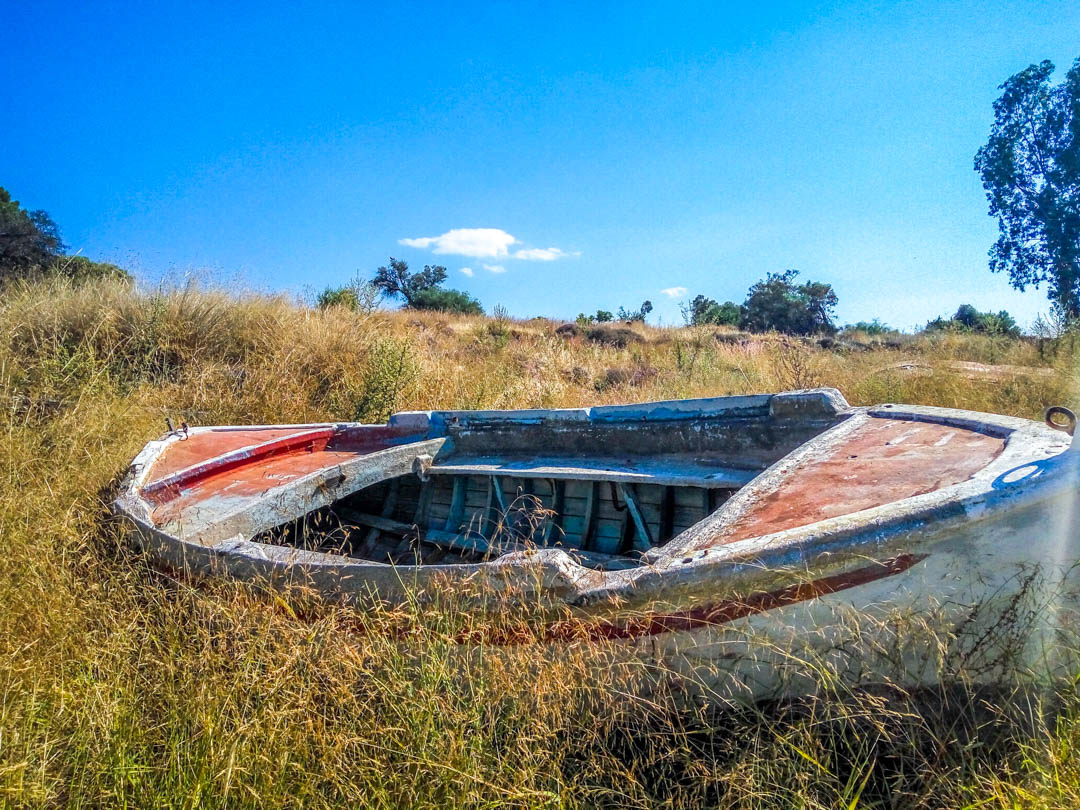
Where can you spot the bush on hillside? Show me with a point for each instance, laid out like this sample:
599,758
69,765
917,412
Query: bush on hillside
774,304
440,300
80,270
30,247
704,310
969,319
874,328
358,296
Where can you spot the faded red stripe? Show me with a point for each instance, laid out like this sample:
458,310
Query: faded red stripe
709,615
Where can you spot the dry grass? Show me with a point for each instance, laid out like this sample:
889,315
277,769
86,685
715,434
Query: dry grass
123,686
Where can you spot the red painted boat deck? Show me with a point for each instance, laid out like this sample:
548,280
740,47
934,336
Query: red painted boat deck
250,462
883,461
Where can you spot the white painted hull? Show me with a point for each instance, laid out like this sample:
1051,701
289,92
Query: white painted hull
982,562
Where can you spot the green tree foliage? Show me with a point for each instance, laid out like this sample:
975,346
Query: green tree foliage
969,319
638,314
778,304
601,316
437,298
1030,168
422,290
396,280
29,240
707,311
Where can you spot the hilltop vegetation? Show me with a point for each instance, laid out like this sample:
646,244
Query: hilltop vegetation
122,684
31,247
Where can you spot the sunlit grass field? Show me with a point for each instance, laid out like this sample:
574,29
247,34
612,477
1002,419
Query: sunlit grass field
121,685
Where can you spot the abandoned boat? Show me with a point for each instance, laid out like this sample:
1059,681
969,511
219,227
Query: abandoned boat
673,525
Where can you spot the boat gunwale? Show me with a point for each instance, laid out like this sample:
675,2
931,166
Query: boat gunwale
859,530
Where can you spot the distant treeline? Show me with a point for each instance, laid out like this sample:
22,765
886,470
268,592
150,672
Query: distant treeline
31,246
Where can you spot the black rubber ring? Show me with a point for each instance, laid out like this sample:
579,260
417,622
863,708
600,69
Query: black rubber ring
1056,410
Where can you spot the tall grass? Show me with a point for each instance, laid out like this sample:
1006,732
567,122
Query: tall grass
122,685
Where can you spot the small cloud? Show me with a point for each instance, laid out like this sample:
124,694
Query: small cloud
495,268
484,243
480,243
674,292
467,271
543,254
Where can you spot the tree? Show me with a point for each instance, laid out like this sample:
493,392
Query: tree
395,280
634,315
777,304
706,311
28,239
603,316
1030,168
421,290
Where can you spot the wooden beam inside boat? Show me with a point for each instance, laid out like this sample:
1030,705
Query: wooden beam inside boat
589,523
558,496
642,537
669,472
452,540
457,505
389,504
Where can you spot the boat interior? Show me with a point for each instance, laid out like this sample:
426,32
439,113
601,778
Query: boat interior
607,484
605,491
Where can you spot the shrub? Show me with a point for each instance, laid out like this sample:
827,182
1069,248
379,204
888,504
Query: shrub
872,328
704,310
969,319
635,314
359,296
618,336
440,300
80,270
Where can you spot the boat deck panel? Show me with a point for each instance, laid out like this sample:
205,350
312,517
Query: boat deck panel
248,481
203,447
883,461
208,444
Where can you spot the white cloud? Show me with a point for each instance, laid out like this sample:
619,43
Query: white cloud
495,268
466,271
485,243
480,243
674,292
543,254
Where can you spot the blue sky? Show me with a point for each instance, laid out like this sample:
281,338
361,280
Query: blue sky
626,148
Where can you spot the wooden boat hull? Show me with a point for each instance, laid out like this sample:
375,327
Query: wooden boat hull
855,524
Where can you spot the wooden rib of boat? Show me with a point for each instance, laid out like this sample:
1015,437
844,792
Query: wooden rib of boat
679,522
